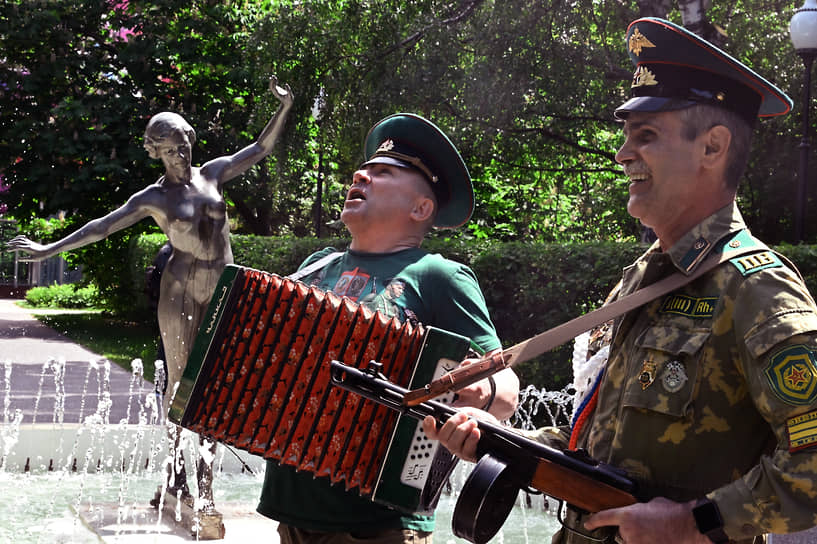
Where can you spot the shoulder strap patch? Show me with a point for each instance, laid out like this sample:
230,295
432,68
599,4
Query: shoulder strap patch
802,431
755,262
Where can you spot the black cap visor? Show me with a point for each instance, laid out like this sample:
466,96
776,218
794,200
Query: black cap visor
441,191
389,160
651,104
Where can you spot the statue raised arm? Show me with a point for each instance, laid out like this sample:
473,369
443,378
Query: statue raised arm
188,205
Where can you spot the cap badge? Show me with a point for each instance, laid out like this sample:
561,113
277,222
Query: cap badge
642,77
638,41
387,145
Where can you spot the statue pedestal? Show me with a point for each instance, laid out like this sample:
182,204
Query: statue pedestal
202,524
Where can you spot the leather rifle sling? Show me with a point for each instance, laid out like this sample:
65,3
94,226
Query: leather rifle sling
551,338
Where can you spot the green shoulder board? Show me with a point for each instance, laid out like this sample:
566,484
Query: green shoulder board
753,262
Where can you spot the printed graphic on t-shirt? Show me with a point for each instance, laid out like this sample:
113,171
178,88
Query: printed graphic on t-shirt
368,290
385,301
351,283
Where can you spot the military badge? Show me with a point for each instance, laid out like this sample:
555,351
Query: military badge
674,376
694,255
792,375
756,262
638,42
802,431
386,145
647,374
643,76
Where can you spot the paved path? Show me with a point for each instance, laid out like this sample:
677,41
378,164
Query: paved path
41,369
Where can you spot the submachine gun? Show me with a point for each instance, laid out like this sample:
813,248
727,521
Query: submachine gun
508,462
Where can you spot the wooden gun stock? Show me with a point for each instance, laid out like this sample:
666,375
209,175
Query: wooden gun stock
578,489
508,462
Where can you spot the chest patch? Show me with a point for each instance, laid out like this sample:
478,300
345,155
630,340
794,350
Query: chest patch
693,307
792,375
749,264
802,431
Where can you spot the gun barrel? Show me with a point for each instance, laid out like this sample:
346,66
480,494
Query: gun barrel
497,440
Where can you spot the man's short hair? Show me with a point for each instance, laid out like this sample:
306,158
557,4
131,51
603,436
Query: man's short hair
699,118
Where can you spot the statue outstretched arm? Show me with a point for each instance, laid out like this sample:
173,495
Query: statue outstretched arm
93,231
228,167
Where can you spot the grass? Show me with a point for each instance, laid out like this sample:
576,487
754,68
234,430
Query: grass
119,340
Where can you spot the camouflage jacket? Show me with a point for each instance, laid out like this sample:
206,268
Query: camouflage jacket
712,390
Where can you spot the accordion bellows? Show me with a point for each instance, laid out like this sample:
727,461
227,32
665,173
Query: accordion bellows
258,379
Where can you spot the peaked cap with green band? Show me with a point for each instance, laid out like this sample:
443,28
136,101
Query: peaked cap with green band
676,69
410,141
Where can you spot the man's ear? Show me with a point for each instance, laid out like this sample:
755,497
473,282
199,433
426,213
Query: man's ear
716,141
423,209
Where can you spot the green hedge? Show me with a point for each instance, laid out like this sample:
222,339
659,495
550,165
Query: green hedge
528,288
66,295
281,255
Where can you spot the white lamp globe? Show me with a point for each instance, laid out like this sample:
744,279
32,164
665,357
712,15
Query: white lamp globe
803,26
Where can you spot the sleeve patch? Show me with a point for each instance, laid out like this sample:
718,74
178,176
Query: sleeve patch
792,375
749,264
802,431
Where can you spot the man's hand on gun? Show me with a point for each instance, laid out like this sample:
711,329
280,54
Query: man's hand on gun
642,523
460,433
659,520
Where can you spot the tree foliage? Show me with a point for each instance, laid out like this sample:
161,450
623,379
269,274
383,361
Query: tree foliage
526,89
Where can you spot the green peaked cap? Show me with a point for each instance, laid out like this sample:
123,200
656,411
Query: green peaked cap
410,141
676,69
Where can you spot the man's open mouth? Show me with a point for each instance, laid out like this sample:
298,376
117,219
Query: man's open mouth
355,194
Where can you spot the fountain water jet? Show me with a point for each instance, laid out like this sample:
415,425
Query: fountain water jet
97,461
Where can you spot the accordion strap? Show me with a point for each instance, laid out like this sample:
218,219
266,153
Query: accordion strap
317,265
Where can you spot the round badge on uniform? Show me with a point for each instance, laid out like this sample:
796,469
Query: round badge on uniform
674,376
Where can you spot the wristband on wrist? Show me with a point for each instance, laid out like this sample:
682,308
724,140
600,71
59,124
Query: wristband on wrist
492,383
708,520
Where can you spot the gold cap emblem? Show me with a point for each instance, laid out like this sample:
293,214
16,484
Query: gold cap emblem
638,41
642,77
387,145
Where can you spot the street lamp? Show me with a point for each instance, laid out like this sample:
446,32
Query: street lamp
803,29
317,113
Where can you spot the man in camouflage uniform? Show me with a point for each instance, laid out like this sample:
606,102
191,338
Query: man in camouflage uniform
709,397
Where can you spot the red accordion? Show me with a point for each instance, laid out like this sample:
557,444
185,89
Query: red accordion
258,379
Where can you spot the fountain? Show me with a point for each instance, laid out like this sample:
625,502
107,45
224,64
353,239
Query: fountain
86,442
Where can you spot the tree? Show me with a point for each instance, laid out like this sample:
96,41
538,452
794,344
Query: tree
526,90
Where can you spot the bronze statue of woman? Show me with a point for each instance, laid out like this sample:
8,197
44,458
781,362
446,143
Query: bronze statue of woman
187,204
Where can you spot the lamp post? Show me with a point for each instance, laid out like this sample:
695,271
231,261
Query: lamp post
317,112
803,30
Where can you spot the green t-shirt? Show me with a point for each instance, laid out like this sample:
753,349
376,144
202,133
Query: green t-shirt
410,284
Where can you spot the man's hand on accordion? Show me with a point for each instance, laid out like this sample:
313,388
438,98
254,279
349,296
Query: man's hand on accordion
497,394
